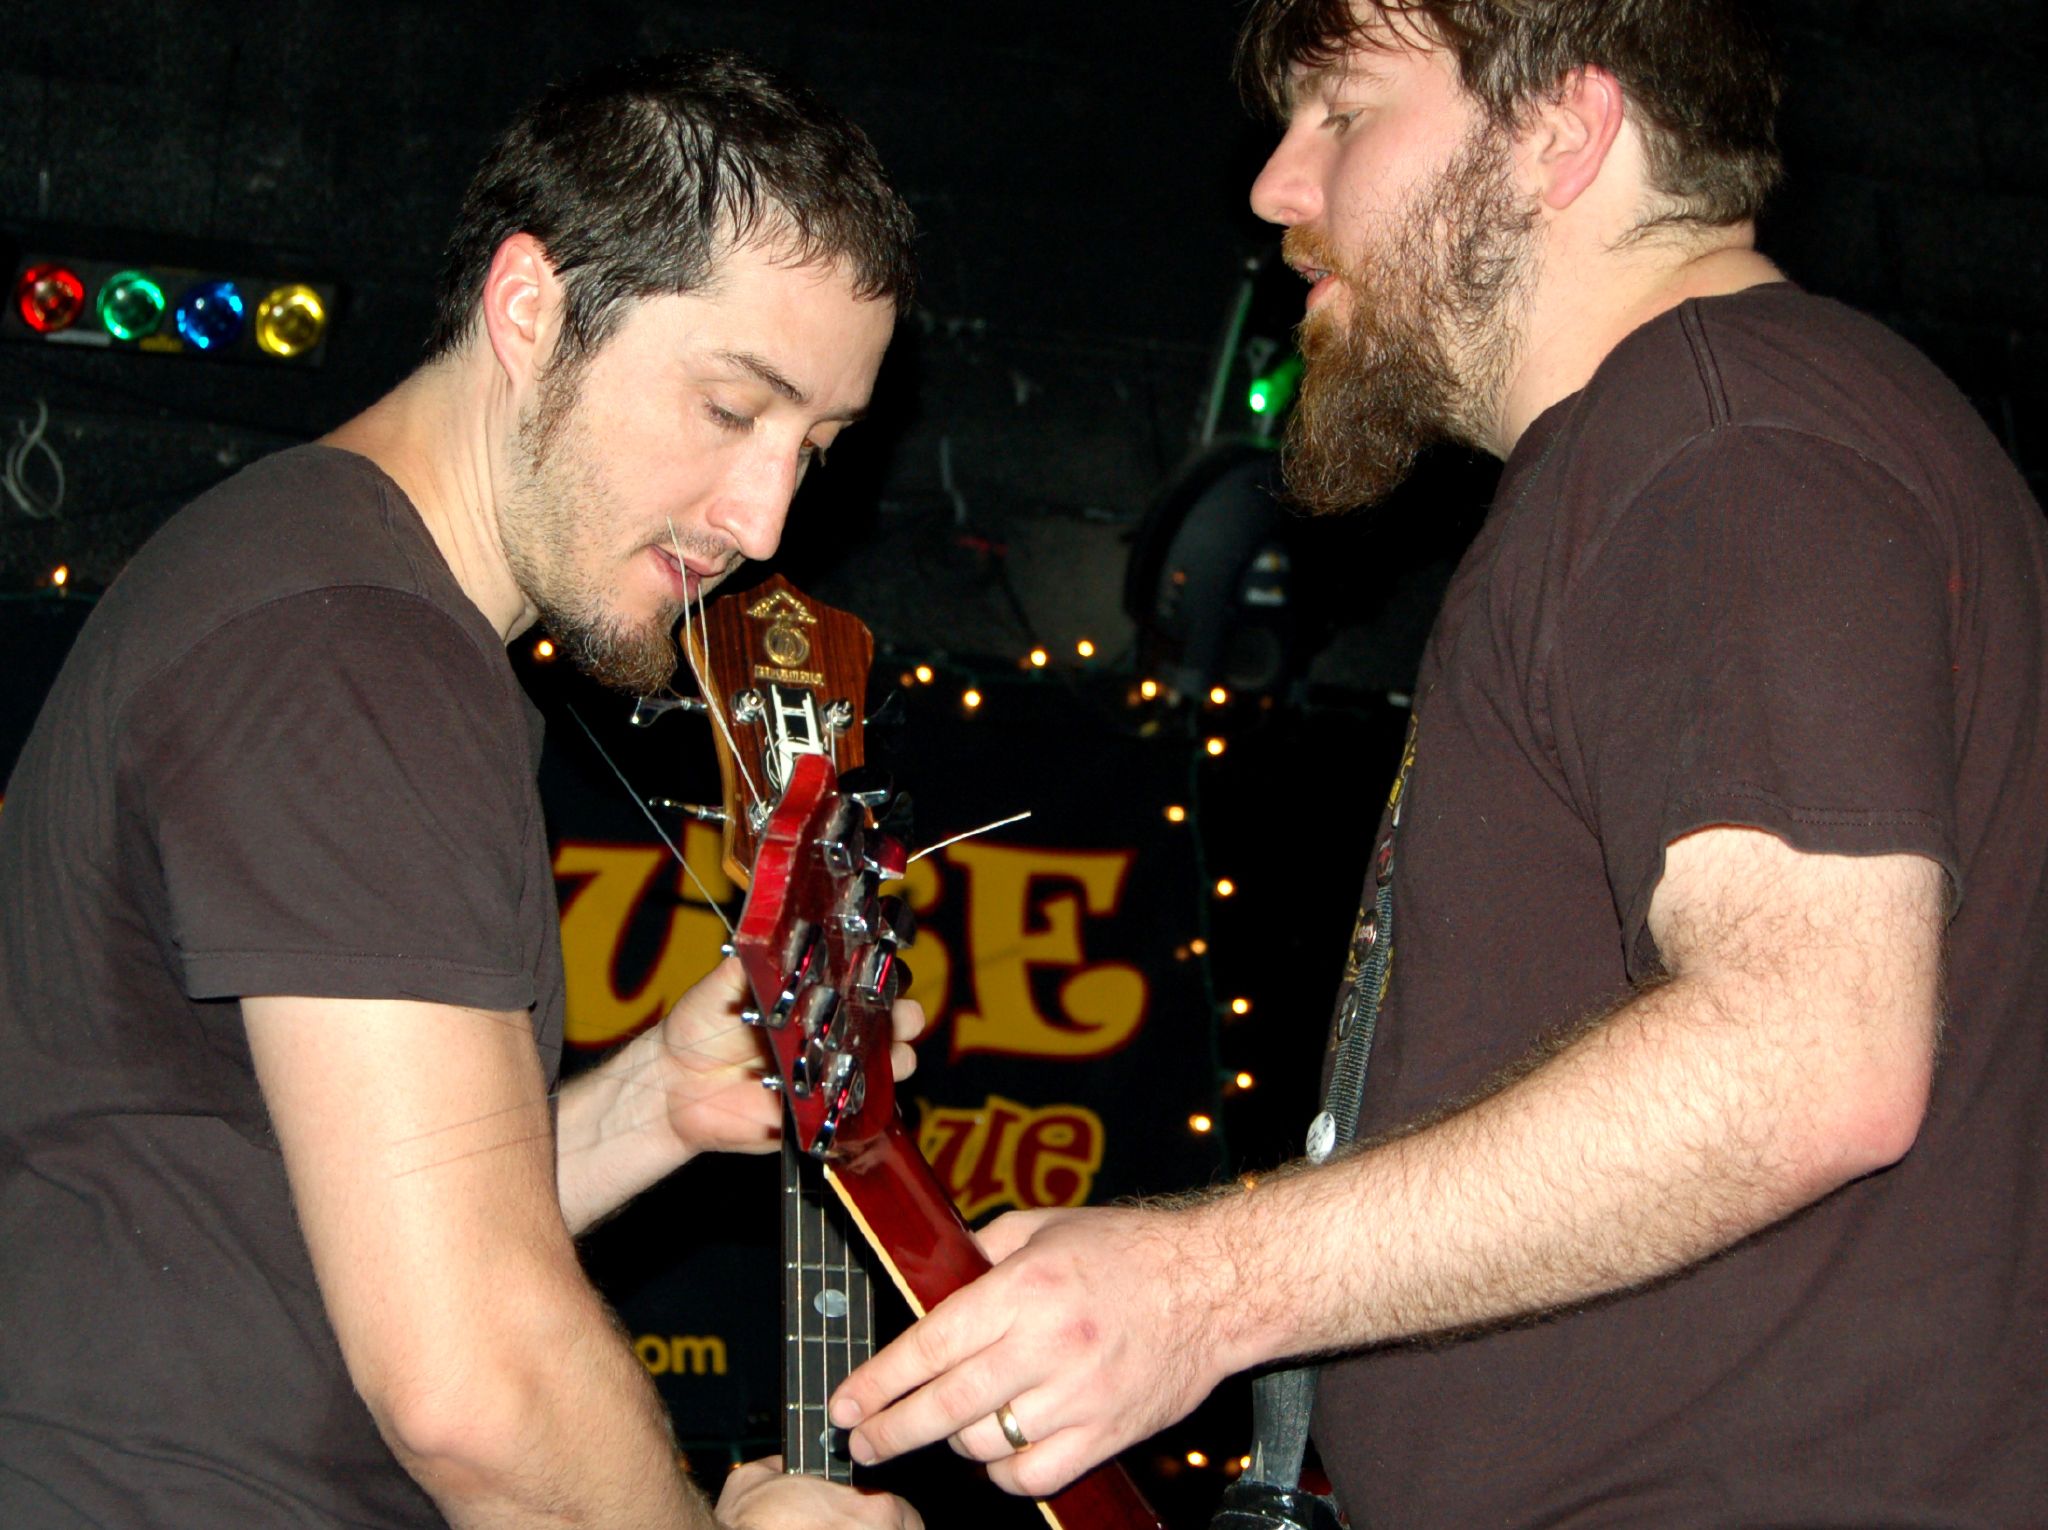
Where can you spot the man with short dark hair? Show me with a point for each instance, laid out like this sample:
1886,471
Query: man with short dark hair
288,1197
1705,956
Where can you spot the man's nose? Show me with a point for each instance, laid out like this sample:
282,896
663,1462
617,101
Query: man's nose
754,503
1285,192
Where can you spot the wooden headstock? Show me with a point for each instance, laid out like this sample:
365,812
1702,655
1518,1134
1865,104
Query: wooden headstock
786,679
785,676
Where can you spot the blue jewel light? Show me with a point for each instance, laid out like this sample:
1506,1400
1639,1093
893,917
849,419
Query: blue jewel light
210,315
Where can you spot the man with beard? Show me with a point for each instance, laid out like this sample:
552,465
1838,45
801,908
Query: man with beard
289,1197
1705,954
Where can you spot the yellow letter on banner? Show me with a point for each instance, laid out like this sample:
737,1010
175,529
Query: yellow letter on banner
594,921
1100,1006
1007,1153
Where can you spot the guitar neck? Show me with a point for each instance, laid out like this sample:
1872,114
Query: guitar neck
828,1316
905,1214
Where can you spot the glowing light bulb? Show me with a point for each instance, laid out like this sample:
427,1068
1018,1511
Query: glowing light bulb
1225,887
923,673
1215,746
210,315
61,575
1197,1460
1200,1124
1176,814
544,649
1244,1081
1149,689
1240,1006
49,297
1199,946
131,306
290,321
970,699
1085,649
1218,695
1038,658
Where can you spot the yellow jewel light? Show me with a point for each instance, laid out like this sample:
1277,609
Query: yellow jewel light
290,321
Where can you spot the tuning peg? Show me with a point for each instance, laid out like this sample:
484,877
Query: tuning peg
898,922
694,810
879,974
647,708
890,714
869,785
897,819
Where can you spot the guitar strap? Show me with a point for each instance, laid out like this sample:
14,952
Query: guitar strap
1268,1496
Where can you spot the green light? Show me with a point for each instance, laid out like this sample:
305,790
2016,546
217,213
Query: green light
1261,396
131,305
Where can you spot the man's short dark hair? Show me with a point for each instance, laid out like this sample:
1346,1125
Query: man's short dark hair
637,177
1701,76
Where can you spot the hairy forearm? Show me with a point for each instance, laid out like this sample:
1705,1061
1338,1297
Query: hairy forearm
1679,1124
612,1133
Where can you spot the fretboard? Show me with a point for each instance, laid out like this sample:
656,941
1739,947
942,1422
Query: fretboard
828,1316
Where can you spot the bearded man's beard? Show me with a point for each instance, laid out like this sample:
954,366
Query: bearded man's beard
1429,342
541,532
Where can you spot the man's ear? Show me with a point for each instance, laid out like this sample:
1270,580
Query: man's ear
522,309
1572,134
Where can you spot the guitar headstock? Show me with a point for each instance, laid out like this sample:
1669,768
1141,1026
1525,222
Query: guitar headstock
784,676
821,947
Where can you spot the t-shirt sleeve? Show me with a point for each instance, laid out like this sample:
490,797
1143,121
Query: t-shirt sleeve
337,785
1762,640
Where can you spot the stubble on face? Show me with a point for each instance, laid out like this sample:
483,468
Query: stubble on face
1431,337
556,499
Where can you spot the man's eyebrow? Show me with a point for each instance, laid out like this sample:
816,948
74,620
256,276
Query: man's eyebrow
760,367
747,361
1331,78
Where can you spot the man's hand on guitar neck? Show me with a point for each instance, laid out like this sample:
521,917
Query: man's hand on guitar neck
1096,1329
757,1496
689,1085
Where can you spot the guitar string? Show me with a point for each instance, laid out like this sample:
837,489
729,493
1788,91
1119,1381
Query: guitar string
714,699
683,860
1000,823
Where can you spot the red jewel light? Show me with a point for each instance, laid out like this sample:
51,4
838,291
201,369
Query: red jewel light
50,297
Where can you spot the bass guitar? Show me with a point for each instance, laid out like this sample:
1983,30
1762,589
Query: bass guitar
784,679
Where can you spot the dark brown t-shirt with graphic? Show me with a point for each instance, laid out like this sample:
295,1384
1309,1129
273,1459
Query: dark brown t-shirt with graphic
286,756
1768,568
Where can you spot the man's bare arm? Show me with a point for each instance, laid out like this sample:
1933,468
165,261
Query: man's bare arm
1790,1051
417,1141
691,1084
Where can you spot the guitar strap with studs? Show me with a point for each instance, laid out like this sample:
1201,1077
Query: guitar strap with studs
1269,1496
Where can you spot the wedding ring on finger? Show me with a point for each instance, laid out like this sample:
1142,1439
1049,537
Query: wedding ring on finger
1012,1431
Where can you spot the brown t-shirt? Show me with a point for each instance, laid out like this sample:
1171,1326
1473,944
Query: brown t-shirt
1767,568
286,756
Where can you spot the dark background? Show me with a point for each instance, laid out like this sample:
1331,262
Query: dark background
1079,169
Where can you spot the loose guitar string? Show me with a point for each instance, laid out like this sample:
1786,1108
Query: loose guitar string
690,652
1000,823
710,696
641,803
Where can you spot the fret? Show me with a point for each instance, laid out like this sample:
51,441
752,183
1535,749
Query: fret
828,1316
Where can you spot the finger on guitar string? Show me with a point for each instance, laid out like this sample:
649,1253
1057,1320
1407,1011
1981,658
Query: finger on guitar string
939,1379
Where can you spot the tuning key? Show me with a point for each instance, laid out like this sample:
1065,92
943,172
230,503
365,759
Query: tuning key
879,974
869,785
886,857
898,924
647,708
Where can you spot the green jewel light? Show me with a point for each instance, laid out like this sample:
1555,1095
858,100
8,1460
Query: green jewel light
131,306
1270,395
